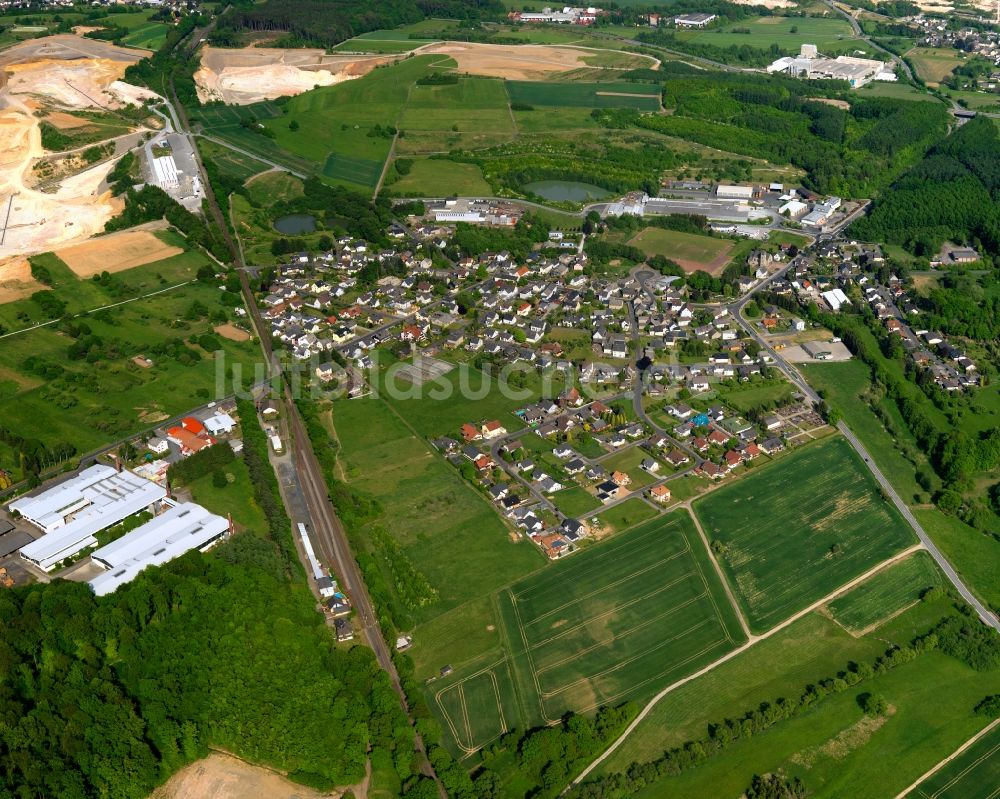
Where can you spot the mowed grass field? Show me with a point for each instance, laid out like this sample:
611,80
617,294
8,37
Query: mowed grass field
886,594
934,64
682,247
616,621
789,33
450,532
585,95
437,177
797,530
974,774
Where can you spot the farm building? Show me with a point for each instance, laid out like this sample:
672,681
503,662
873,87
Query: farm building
72,513
171,534
693,20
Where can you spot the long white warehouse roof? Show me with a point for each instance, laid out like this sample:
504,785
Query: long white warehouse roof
103,502
44,508
180,529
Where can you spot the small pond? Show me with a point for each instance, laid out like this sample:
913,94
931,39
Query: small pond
295,224
566,190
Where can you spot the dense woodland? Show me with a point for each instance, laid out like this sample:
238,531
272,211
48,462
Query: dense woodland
325,23
107,697
853,153
952,194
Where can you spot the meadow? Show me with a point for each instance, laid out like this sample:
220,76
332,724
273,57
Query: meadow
613,622
934,64
438,177
449,531
106,396
830,36
629,513
682,247
974,774
833,747
792,533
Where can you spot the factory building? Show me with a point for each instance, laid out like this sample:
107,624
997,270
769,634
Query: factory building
73,512
171,534
809,64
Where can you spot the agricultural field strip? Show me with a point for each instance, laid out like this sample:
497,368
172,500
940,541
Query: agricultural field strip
734,653
529,647
964,773
95,310
459,686
954,755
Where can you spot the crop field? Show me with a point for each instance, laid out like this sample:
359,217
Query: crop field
617,621
362,171
474,708
482,101
789,33
691,251
795,531
226,122
886,594
974,774
585,95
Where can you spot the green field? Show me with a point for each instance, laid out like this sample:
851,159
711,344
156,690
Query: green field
744,396
364,44
450,532
700,250
437,177
616,621
794,532
236,498
833,747
230,163
934,64
585,95
628,514
360,171
575,502
788,33
107,396
974,774
886,594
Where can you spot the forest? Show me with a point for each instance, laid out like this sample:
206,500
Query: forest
951,195
853,153
107,697
325,23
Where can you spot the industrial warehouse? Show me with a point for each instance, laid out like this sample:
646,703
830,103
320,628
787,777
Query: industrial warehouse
810,64
174,532
73,513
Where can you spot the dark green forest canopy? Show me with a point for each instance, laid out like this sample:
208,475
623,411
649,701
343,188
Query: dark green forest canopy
328,22
107,697
952,194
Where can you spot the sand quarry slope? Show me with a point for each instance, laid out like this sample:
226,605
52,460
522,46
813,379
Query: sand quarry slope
251,74
57,74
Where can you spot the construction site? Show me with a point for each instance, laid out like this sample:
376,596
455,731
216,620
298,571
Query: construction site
71,89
